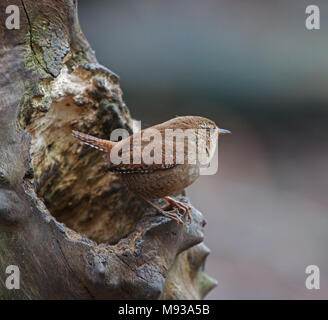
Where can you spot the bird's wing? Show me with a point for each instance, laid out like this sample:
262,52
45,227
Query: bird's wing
149,150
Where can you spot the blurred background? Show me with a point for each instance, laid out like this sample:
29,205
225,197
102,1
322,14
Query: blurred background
254,68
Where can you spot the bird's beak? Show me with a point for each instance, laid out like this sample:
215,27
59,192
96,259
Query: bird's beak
223,131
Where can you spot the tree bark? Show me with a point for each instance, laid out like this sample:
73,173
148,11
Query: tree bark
72,229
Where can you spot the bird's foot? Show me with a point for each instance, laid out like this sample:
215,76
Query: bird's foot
172,214
172,203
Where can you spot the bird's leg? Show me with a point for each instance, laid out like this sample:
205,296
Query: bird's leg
177,204
170,214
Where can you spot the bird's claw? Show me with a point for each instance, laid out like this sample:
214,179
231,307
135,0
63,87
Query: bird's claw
173,214
177,205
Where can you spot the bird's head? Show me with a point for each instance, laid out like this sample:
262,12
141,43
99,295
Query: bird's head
204,123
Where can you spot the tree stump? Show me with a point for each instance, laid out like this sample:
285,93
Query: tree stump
72,229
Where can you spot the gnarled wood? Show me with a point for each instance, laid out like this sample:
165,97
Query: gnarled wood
74,231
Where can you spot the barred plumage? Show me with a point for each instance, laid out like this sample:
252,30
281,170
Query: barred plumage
100,144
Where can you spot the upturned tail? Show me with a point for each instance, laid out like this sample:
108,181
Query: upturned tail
100,144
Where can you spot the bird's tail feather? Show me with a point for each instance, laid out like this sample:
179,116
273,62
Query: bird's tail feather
100,144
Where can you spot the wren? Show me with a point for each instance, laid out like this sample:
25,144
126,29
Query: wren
173,162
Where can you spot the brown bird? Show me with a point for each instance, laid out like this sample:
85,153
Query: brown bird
162,160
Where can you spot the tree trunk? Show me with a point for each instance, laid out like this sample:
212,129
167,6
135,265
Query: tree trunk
72,229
